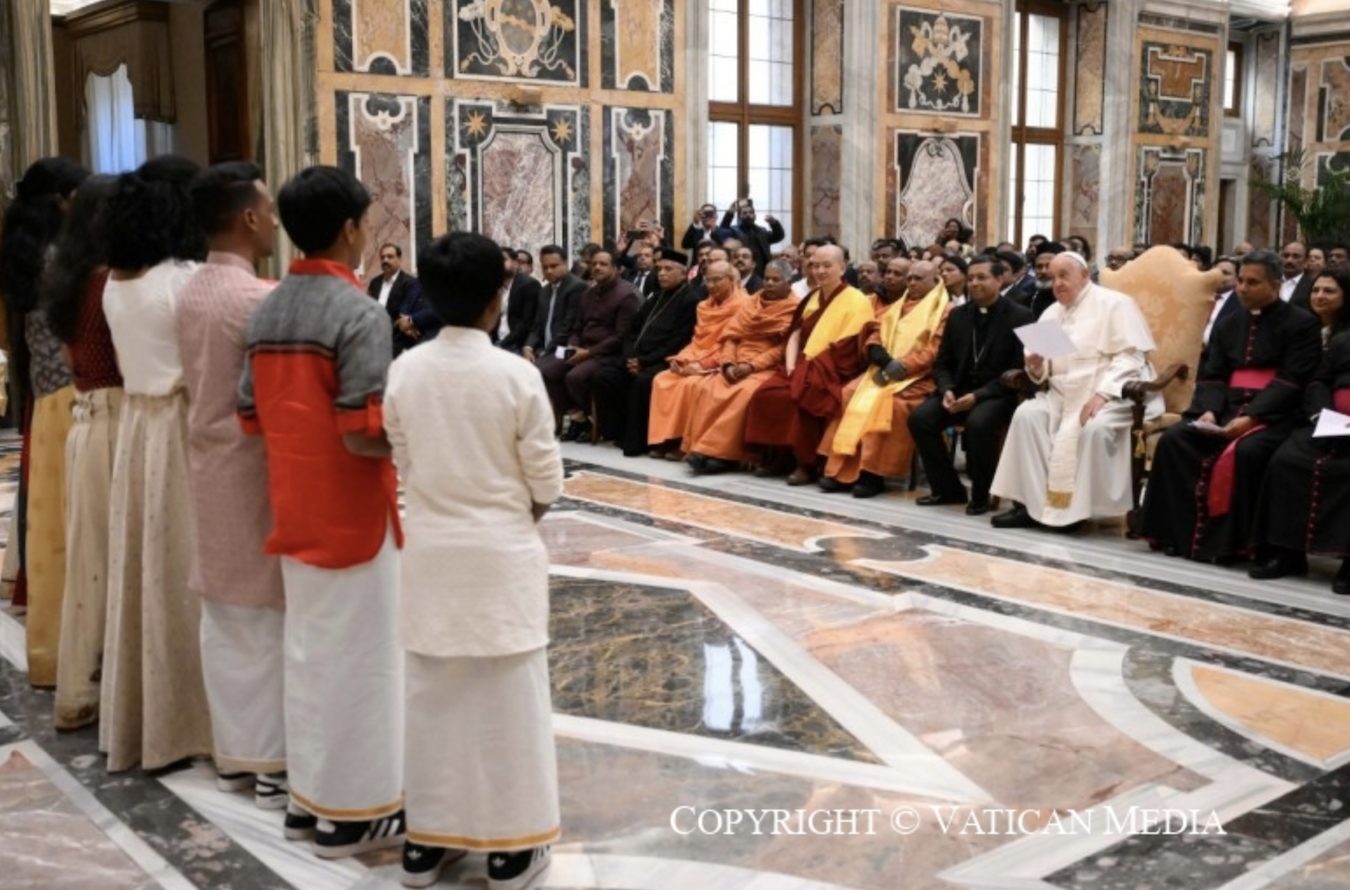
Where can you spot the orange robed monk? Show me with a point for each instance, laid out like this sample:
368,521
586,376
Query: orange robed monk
750,352
871,441
791,409
673,390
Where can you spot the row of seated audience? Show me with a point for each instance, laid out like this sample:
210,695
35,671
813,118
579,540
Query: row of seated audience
825,381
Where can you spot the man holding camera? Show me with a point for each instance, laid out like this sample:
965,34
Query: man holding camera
754,236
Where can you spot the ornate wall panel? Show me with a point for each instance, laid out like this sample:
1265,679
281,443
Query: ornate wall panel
827,57
637,45
1298,93
1090,88
933,179
1170,195
1174,98
1085,196
380,36
1266,47
519,176
827,144
1259,216
1333,101
938,62
385,140
639,169
517,40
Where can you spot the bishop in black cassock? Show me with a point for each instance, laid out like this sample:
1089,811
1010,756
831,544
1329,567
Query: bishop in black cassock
664,325
1206,477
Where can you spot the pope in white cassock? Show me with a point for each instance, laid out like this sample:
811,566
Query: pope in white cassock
1067,455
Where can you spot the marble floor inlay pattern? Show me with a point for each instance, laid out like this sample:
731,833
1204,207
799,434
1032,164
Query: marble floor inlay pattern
763,687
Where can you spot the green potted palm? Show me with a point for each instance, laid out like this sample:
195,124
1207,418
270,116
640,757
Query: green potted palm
1322,211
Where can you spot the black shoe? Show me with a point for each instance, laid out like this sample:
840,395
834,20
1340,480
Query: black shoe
270,791
869,485
697,462
234,781
933,499
300,825
832,486
1017,517
336,840
577,431
627,452
978,507
516,871
715,465
1279,566
422,866
1341,586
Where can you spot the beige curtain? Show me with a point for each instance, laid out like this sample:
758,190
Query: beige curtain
27,35
289,142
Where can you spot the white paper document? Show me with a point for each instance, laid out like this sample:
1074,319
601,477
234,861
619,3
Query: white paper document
1331,423
1046,339
1205,426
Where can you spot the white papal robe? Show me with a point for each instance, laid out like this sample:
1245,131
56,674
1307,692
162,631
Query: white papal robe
1059,469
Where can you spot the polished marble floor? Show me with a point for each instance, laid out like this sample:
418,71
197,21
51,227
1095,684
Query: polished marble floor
884,696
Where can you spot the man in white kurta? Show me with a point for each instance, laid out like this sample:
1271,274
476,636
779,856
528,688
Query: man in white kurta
472,434
1067,454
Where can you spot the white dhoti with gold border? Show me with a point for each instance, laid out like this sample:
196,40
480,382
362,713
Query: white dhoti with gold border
344,687
244,669
482,765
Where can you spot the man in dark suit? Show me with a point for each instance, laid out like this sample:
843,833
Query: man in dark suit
744,260
1042,298
1296,288
643,273
1225,303
754,236
663,326
519,306
401,296
977,348
556,310
1019,282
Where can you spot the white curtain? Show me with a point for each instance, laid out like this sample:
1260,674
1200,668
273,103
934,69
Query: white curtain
115,140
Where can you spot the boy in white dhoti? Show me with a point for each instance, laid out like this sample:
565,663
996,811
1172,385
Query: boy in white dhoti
472,433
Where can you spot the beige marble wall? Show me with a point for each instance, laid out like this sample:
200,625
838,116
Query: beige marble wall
1176,114
1319,103
938,94
591,57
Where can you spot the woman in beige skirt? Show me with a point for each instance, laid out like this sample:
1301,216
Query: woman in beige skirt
72,299
154,698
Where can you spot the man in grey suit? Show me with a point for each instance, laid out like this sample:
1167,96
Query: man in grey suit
558,303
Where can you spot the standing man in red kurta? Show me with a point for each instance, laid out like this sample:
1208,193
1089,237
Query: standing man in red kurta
313,387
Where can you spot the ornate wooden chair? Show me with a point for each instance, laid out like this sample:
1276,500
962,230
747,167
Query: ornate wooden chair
1176,299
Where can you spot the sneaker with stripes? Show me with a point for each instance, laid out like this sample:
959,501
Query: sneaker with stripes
423,865
300,824
516,871
270,792
234,781
335,840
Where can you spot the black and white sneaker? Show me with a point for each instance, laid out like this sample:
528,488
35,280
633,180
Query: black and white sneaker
300,825
422,865
516,871
234,781
270,791
335,840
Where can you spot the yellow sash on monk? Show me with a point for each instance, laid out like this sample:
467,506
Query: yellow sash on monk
871,408
844,317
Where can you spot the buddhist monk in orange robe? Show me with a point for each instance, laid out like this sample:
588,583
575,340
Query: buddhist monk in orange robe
871,440
892,285
673,390
792,408
750,351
